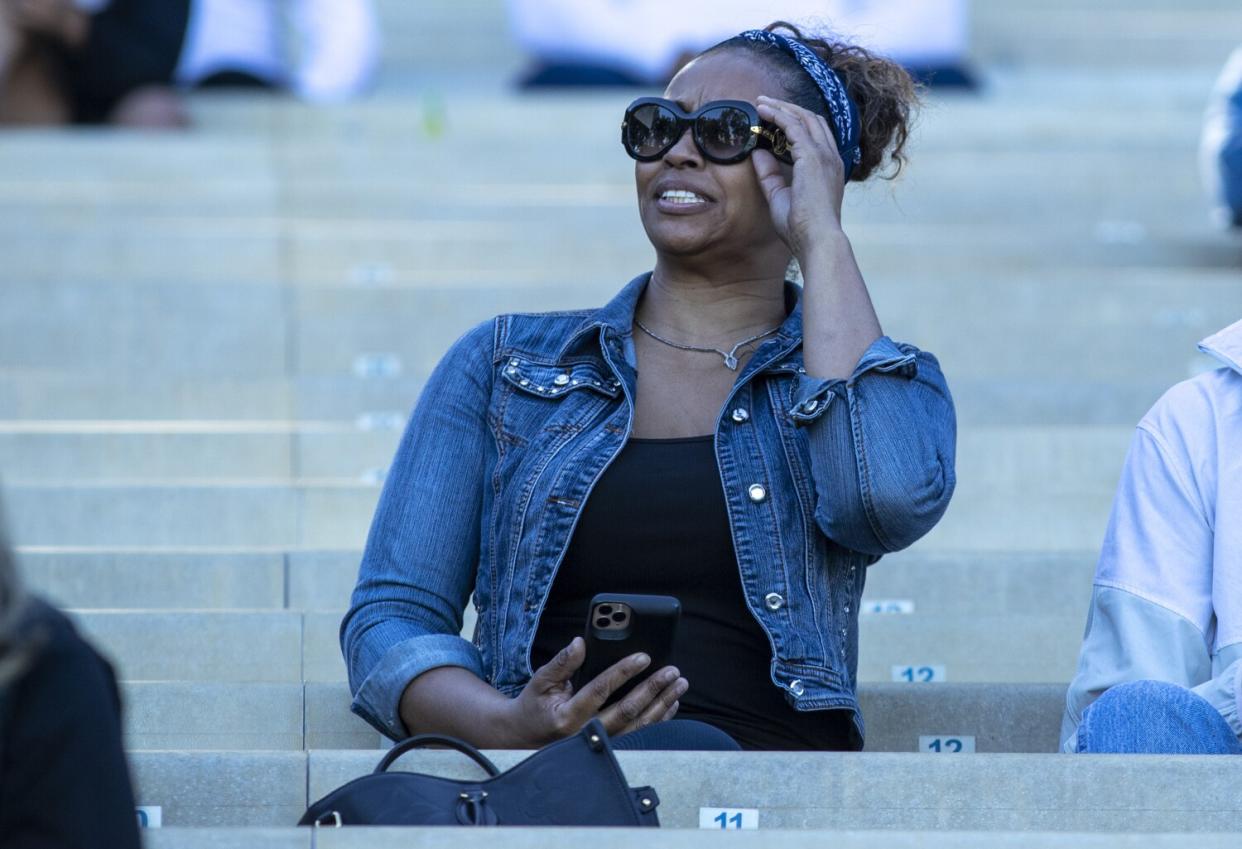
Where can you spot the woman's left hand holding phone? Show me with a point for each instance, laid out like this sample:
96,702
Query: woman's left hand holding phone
548,709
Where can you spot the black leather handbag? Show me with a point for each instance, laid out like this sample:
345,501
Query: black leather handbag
575,781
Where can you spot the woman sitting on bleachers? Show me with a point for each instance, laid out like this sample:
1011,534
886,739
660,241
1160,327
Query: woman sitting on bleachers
714,433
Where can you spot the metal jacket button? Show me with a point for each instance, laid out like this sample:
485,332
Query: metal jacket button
561,379
796,687
757,492
810,406
740,415
774,601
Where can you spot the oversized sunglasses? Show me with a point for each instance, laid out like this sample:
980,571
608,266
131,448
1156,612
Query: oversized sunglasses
725,131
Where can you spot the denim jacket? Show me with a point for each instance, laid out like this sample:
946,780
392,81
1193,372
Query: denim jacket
521,418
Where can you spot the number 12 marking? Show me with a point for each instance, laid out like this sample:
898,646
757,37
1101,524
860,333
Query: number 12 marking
919,674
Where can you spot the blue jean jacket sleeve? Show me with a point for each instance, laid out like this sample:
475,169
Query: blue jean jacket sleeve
883,444
421,556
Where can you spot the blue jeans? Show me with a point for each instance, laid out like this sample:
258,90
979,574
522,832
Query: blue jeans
1154,718
687,735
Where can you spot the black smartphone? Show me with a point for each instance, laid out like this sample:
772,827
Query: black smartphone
619,625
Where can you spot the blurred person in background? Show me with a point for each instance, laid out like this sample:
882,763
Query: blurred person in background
716,432
1222,144
126,61
1160,671
64,781
645,42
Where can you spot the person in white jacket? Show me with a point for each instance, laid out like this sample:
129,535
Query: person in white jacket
1161,664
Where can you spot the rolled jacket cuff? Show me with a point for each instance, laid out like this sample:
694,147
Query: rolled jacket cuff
378,699
812,396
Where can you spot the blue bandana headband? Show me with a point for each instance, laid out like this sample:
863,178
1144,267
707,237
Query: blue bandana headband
846,126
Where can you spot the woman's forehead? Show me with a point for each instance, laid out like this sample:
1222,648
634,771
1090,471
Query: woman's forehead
728,75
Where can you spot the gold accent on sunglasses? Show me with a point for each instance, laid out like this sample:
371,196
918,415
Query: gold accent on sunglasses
780,144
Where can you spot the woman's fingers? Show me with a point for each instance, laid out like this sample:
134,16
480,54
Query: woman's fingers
559,670
588,701
792,124
768,171
816,123
798,122
647,704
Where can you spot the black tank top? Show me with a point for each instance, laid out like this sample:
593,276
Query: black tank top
657,523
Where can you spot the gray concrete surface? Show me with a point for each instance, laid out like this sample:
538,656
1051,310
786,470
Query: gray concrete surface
222,788
960,583
996,793
979,648
902,791
201,645
230,513
218,714
1011,718
196,646
145,579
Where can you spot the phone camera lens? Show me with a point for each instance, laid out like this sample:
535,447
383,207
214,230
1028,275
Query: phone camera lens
618,617
604,609
602,623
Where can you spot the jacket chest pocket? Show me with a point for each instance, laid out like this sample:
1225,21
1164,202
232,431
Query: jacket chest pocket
542,397
542,380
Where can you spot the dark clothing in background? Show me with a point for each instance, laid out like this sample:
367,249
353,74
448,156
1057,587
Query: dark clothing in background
657,523
132,44
64,782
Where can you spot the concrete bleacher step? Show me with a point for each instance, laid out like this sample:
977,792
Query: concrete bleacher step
999,458
989,792
1141,326
963,583
193,513
182,450
1018,488
236,579
216,715
218,645
620,838
166,512
304,646
1005,399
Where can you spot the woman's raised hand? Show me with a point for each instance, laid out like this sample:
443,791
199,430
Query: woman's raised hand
807,205
548,709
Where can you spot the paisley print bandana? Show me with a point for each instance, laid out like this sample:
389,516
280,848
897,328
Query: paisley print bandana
846,126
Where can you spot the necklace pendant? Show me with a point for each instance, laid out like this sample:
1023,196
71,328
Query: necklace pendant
730,362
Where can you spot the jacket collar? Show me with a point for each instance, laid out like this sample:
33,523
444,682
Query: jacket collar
1226,346
616,319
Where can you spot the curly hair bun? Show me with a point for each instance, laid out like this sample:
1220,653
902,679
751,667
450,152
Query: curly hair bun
886,96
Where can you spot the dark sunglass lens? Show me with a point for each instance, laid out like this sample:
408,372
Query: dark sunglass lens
650,129
724,132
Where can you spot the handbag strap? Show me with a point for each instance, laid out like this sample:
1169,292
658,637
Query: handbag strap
420,741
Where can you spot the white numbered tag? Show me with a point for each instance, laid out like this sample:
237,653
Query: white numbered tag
377,365
946,743
371,274
150,816
728,819
380,421
887,605
920,674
